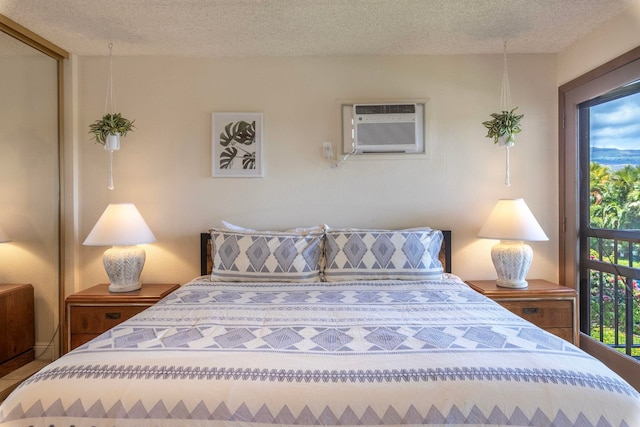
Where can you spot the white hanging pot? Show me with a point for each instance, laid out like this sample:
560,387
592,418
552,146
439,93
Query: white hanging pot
506,140
112,142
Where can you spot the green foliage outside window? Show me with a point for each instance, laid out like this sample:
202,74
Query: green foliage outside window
614,204
615,197
603,308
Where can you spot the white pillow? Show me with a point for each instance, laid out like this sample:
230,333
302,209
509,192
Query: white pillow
299,230
234,227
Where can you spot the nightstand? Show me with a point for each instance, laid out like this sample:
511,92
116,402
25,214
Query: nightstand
547,305
17,331
93,311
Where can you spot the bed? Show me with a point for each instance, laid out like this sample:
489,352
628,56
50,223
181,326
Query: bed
324,327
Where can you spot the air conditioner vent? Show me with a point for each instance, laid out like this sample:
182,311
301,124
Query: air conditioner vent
384,128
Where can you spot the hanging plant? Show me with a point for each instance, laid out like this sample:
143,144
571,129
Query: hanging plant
504,124
110,124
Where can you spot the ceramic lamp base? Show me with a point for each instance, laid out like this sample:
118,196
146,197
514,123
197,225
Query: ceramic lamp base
512,259
124,265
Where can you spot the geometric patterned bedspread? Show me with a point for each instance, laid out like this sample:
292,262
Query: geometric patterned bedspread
346,353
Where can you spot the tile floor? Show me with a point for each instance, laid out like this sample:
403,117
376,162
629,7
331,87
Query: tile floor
12,380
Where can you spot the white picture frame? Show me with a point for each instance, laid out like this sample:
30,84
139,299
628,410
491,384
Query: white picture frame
237,145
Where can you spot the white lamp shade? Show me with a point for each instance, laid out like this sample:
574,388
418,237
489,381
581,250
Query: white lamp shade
511,219
120,225
4,237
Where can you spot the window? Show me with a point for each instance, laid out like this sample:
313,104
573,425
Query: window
600,207
609,146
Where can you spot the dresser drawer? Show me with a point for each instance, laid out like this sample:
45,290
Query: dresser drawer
97,319
17,331
543,313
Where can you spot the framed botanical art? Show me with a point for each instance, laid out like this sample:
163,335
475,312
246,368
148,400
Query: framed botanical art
237,145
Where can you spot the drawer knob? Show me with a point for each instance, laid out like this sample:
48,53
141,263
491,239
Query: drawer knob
112,316
530,310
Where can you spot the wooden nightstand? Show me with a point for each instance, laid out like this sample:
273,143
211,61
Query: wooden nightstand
92,311
17,331
547,305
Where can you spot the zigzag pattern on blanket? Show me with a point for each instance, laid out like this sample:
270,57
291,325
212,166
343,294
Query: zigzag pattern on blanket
285,416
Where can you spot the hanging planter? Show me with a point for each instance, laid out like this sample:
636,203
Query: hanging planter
506,141
503,127
112,126
108,130
113,142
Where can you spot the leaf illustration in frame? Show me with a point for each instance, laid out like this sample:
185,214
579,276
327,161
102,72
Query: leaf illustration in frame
237,145
227,156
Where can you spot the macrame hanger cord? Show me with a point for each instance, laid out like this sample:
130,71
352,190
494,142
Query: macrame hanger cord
505,105
110,101
111,186
109,107
505,94
507,177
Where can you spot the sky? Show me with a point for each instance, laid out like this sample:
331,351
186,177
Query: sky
616,124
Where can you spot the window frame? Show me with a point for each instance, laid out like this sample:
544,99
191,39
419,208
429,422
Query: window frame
599,81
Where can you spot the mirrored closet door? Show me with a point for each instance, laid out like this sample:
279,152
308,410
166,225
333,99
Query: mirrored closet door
30,175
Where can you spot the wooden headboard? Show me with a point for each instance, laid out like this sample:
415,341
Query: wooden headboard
206,263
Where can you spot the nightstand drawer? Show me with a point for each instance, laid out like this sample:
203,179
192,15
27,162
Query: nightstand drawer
545,304
95,310
97,319
78,339
564,333
543,313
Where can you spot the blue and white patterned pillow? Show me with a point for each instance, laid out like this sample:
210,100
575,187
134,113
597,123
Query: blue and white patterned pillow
382,254
268,256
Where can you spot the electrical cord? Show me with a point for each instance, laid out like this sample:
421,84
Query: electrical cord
55,333
336,163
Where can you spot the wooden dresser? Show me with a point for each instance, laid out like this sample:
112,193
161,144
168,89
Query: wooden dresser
93,311
545,304
17,330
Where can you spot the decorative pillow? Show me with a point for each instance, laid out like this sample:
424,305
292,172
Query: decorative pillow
266,256
382,254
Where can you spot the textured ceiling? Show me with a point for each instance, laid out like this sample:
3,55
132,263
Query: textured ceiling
310,27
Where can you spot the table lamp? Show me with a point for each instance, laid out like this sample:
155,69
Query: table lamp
122,227
512,223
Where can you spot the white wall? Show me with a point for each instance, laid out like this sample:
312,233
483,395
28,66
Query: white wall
164,166
615,37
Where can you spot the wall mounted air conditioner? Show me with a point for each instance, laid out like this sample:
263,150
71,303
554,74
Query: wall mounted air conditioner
386,128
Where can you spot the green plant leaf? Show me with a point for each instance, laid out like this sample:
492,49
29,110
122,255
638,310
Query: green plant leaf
110,124
503,123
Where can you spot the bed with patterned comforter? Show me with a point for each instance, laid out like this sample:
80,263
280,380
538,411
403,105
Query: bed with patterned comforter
386,352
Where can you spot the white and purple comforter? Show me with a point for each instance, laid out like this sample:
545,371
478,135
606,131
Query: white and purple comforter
351,353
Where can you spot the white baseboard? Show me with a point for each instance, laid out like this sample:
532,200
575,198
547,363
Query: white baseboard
44,351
